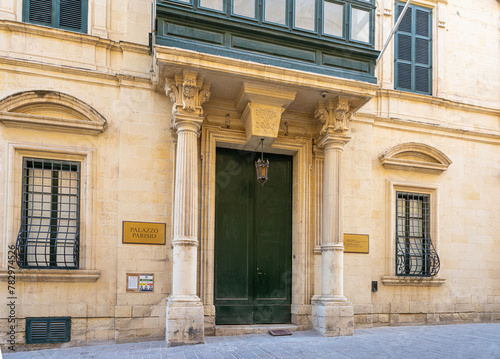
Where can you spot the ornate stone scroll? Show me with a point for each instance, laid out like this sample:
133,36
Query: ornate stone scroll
187,93
334,116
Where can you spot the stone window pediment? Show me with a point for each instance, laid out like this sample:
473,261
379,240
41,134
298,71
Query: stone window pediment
50,110
415,157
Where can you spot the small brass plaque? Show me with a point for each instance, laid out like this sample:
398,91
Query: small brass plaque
143,233
356,243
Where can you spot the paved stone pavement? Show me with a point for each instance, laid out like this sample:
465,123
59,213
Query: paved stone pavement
447,341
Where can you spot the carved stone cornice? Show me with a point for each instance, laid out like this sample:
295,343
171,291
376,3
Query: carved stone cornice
187,93
334,116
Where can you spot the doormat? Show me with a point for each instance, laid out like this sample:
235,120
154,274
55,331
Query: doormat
279,332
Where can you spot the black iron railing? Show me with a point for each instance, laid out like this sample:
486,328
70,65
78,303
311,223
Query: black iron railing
415,253
50,215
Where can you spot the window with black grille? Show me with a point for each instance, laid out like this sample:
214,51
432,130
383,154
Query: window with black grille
50,214
63,14
415,254
413,50
48,330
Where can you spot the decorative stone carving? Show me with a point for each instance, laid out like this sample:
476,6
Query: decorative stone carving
187,93
261,121
334,116
262,107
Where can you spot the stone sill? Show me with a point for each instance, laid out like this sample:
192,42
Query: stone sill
52,275
413,281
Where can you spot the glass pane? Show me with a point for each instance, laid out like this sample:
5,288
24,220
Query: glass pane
40,180
360,28
68,182
333,19
213,4
305,11
244,8
416,228
415,208
275,11
39,205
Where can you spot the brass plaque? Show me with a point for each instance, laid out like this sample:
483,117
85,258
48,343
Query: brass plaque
356,243
143,233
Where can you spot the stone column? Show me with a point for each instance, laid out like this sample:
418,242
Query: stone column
184,308
332,314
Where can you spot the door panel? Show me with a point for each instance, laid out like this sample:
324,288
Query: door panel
252,240
233,254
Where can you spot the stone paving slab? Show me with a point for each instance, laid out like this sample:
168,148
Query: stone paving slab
448,341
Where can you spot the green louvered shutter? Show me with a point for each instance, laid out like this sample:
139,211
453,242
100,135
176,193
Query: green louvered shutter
48,330
413,52
40,11
63,14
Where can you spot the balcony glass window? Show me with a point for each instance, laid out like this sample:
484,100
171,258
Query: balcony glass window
360,30
275,11
213,4
305,14
244,8
333,19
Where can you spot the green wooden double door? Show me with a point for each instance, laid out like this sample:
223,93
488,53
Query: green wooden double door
253,240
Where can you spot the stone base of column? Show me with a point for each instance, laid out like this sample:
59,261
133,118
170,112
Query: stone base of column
185,323
333,318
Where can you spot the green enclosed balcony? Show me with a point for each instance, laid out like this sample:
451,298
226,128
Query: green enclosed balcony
334,38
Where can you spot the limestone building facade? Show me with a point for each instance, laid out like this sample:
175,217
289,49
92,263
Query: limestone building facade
129,132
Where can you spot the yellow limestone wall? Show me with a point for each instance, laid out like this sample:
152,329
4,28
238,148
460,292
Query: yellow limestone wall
133,166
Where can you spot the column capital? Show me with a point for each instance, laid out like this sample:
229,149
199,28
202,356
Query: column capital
334,117
187,93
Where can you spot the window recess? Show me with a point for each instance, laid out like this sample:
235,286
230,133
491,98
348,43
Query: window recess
50,215
415,253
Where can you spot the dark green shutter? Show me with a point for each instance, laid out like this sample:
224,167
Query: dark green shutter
40,12
63,14
71,14
413,53
48,330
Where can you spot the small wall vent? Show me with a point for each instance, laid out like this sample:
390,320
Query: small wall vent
48,330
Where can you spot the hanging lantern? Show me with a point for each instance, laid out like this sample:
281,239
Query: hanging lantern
262,166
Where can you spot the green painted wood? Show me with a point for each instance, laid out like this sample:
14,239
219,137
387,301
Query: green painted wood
252,240
200,35
267,43
413,50
346,63
270,59
48,330
63,14
252,45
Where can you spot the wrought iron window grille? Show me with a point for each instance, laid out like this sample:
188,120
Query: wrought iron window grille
415,253
50,215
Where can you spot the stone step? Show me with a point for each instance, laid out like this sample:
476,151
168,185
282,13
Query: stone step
228,330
